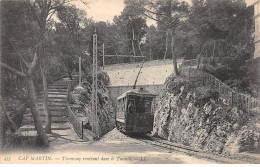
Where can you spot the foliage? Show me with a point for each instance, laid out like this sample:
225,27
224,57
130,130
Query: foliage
203,98
240,73
219,30
18,32
70,37
133,26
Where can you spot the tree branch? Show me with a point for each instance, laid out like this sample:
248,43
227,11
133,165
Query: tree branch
154,19
155,12
24,61
50,15
34,63
12,69
62,3
21,56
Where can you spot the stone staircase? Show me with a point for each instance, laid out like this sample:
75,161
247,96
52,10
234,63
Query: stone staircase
57,101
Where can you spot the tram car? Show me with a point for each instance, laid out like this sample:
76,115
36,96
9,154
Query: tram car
135,111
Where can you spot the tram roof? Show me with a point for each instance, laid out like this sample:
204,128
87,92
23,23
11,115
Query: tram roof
136,92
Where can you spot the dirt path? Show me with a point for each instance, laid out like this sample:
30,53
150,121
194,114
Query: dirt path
113,148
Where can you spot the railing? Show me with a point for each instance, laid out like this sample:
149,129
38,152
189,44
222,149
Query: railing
190,62
231,96
76,123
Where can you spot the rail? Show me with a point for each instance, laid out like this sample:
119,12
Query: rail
231,96
76,123
199,153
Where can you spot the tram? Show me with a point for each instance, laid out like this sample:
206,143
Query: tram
135,111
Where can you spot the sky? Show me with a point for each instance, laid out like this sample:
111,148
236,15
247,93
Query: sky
105,10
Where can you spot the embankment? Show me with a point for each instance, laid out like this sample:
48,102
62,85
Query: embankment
194,115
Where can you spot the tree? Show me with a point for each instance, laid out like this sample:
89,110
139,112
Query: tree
154,43
225,27
32,96
168,15
134,24
19,40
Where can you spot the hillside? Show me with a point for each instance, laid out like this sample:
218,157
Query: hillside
153,73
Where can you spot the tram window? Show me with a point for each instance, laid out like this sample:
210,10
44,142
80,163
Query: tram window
131,105
140,104
120,109
147,106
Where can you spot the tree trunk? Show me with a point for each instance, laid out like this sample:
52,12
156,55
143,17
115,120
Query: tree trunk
2,132
133,43
9,119
15,81
11,80
70,73
150,51
174,57
35,113
199,57
190,52
18,82
45,102
213,52
166,45
140,48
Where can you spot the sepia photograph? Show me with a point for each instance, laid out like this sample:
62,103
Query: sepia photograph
130,82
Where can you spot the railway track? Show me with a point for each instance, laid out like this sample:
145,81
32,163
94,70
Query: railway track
148,139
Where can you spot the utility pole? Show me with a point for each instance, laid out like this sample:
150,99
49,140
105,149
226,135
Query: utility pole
95,87
79,71
133,38
150,53
103,56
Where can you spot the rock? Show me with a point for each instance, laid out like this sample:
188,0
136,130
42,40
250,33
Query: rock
236,126
207,108
231,145
82,97
193,116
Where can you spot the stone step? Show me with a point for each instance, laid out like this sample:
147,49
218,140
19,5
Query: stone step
53,108
53,114
57,101
64,86
57,87
57,96
57,93
53,100
58,104
56,118
53,127
54,96
63,82
60,83
40,95
57,90
29,121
